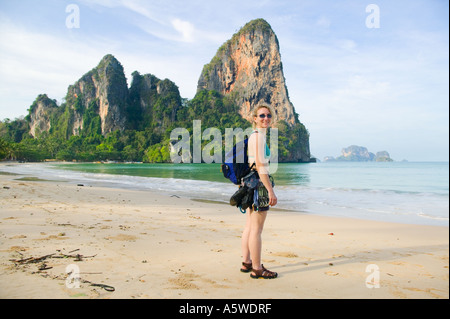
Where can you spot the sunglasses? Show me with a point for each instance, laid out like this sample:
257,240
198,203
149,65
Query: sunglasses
263,116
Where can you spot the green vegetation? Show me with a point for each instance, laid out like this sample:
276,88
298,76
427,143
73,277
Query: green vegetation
145,138
138,142
143,117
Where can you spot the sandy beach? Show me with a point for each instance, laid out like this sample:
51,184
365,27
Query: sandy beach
151,245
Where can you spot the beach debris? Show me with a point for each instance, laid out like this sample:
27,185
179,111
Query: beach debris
175,196
5,187
331,234
30,260
106,287
43,266
80,184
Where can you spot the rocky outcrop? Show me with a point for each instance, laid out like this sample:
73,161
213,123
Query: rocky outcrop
355,153
152,101
104,90
248,68
383,156
245,72
40,113
100,102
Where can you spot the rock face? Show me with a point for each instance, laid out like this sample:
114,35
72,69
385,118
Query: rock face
248,68
39,114
103,89
383,156
152,101
100,102
245,72
355,153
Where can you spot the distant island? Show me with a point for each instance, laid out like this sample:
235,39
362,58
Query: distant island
355,153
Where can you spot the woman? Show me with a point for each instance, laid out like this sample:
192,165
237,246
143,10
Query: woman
258,153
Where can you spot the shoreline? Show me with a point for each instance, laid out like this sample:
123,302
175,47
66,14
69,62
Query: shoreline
419,207
149,245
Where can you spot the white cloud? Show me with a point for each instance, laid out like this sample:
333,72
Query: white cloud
185,28
146,9
33,63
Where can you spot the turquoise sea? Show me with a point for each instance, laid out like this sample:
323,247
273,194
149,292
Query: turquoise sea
406,192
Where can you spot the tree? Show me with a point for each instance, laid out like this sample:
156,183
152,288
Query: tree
4,149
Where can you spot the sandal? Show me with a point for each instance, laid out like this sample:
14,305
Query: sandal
247,267
263,273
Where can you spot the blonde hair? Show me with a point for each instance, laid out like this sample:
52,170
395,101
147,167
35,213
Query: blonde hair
255,112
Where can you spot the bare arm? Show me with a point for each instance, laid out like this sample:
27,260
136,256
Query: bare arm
262,166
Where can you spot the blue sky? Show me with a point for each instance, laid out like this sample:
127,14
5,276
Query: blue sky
383,88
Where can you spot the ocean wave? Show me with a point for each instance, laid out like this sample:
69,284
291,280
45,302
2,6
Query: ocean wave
379,204
445,219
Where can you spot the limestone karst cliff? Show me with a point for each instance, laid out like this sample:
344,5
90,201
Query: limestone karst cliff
248,70
102,118
248,67
355,153
100,102
103,89
39,114
152,101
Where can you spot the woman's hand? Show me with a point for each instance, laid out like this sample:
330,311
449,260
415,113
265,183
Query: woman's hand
272,198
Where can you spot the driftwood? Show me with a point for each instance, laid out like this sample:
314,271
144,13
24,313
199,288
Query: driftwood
31,260
43,266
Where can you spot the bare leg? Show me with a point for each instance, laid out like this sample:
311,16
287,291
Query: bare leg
245,238
257,220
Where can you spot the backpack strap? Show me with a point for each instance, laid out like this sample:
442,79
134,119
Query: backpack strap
254,163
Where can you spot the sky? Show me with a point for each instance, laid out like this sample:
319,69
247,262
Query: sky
370,73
